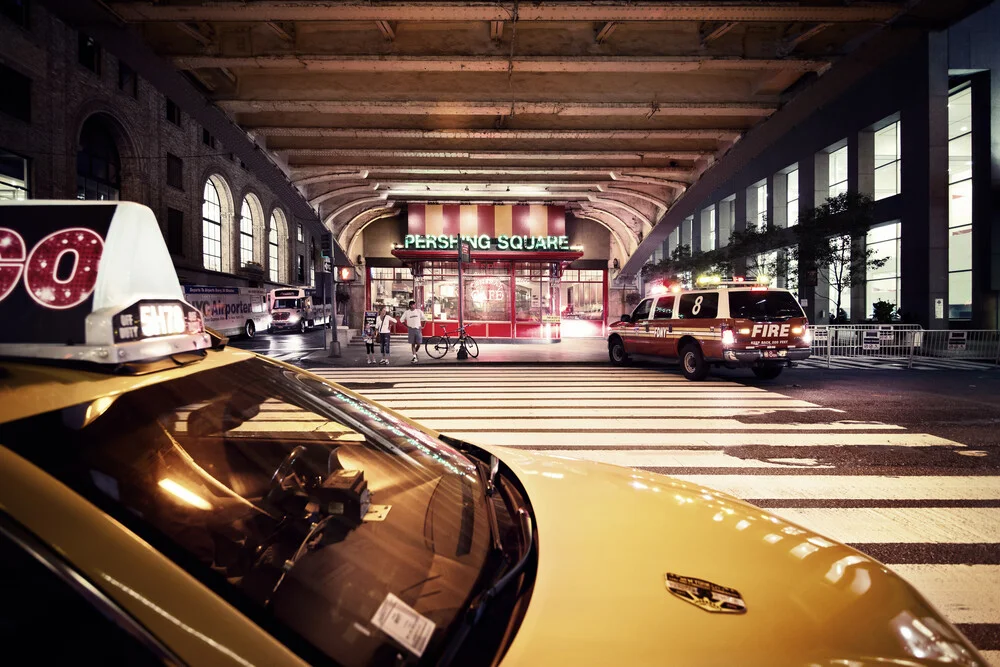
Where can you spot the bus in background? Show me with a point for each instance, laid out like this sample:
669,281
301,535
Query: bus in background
293,309
232,311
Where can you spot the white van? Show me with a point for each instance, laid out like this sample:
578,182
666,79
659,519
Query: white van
293,309
232,311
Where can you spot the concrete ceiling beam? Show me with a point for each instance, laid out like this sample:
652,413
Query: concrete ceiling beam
324,176
662,176
391,154
340,210
200,32
664,181
789,44
459,195
387,28
343,192
446,108
661,204
606,31
581,10
594,200
491,185
494,135
284,31
713,32
492,64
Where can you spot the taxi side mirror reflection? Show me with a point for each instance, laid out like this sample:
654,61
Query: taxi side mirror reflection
626,317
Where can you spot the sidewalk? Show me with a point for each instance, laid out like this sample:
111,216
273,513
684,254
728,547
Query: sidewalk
569,351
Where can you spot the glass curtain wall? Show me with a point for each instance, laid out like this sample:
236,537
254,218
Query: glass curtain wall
888,151
792,197
883,284
838,172
960,211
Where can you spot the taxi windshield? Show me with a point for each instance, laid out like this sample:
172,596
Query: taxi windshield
304,506
763,305
287,304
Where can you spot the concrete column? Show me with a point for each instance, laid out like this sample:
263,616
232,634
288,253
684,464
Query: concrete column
986,197
814,180
924,251
686,233
821,180
769,205
861,179
864,165
725,220
740,224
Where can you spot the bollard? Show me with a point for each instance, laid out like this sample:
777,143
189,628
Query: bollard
334,342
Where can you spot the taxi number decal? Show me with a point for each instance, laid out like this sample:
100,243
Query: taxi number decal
40,267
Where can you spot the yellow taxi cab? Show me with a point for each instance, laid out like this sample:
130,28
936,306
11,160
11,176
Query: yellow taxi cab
735,324
165,499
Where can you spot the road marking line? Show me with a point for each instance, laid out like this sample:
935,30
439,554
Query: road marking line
850,487
689,410
671,458
938,525
963,593
703,439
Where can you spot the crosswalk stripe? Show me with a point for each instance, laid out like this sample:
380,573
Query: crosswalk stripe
992,658
448,393
673,458
620,424
843,487
716,438
592,402
690,408
964,593
900,524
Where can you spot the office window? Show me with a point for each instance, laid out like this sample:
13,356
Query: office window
89,52
883,283
16,98
838,172
312,262
211,227
300,269
13,177
888,152
960,208
16,11
128,80
207,138
792,197
761,195
175,231
298,233
246,232
173,113
175,171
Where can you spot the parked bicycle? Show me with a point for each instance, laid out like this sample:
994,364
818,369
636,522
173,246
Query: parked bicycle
438,346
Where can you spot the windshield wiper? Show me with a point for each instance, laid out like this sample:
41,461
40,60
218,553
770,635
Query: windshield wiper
491,510
476,609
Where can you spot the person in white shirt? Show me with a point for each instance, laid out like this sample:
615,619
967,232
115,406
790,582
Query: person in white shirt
414,321
382,324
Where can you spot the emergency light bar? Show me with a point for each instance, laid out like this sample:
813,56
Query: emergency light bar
738,281
90,281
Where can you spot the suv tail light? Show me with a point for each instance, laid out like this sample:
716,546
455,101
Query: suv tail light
728,338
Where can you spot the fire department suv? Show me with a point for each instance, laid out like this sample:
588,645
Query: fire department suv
733,325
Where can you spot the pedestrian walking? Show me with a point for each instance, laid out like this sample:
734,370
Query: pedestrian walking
382,325
414,321
369,335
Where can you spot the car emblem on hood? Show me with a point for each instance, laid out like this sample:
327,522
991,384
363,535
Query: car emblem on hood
706,595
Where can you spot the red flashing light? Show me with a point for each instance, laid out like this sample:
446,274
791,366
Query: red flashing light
738,279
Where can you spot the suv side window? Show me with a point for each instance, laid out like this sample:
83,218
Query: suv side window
42,612
699,305
641,311
664,308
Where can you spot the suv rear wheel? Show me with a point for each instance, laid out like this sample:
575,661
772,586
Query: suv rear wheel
693,363
767,372
616,351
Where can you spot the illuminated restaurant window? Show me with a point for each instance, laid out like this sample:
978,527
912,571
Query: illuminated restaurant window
582,294
211,228
535,298
393,287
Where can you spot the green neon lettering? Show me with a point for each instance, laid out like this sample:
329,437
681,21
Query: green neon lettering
517,242
408,240
564,243
503,243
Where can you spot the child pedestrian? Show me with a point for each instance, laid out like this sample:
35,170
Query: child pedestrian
368,335
383,324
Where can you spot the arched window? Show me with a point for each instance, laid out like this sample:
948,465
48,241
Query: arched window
98,165
277,247
211,227
246,232
272,252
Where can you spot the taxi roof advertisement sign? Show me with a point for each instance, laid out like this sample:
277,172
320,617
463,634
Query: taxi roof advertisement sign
49,262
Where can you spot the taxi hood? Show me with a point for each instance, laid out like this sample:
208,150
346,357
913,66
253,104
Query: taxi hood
608,536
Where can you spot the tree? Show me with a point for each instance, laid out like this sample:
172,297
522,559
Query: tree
827,238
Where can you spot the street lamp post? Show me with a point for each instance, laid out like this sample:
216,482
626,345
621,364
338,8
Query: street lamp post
464,255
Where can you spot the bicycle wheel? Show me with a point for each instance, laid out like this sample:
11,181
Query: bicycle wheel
437,346
472,346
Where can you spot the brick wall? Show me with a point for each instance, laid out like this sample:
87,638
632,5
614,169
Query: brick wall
64,94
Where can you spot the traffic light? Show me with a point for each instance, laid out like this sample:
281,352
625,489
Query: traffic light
345,274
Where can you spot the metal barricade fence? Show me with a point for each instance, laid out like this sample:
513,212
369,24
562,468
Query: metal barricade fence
904,342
